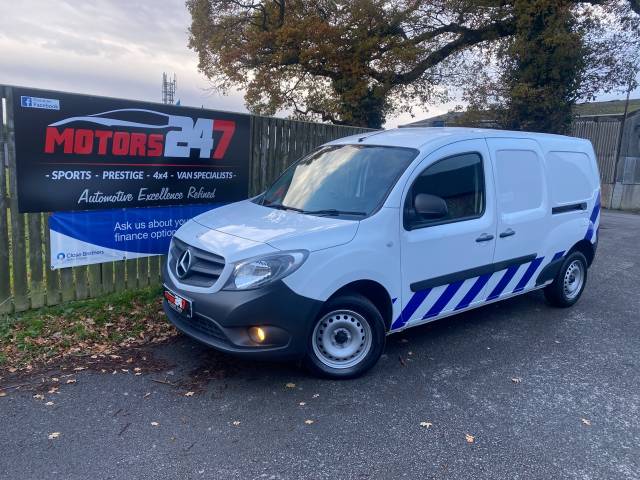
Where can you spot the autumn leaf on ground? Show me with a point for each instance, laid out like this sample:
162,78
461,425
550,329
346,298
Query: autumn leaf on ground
426,424
308,422
54,435
71,380
586,422
470,438
189,394
53,390
290,385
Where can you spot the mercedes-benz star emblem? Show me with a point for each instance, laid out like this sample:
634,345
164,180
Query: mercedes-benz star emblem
184,264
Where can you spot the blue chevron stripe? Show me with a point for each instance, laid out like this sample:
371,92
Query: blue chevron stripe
445,298
474,291
504,281
410,309
593,218
533,266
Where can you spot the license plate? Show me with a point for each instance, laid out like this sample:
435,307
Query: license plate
177,302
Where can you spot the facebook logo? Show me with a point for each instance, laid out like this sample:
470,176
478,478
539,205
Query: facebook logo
36,102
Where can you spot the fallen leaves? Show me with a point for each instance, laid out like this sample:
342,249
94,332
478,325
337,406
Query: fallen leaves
70,381
54,435
470,438
84,334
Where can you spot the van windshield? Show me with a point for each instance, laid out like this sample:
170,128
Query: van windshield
349,180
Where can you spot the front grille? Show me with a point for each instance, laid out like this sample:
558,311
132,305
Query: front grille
206,326
205,267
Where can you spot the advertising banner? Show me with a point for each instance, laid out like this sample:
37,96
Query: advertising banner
80,152
83,238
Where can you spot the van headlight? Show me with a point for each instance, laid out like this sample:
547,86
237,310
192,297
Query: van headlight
261,271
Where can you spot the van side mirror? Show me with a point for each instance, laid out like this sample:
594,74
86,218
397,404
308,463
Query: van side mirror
430,207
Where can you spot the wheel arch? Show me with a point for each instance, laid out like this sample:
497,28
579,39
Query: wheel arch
586,248
375,292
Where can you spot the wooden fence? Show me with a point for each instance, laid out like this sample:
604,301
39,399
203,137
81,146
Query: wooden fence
604,133
26,281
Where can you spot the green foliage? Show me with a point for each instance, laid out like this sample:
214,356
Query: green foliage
344,61
545,68
358,61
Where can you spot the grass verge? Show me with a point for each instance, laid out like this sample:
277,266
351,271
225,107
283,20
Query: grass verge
94,329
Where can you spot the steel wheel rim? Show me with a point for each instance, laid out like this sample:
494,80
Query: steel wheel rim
341,339
573,279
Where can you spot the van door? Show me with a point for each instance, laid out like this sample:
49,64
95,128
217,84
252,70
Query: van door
523,212
442,259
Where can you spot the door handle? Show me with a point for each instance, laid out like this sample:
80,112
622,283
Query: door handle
507,233
485,237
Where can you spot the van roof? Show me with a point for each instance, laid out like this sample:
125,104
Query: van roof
420,137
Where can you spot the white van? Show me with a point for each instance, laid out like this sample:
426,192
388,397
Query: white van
372,234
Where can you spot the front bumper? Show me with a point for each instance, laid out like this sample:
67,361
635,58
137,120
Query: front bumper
222,319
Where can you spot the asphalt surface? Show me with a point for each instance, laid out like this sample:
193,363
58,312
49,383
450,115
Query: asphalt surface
573,410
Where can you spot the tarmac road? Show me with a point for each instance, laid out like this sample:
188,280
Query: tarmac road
577,367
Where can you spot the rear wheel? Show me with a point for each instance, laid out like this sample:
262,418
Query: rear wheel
347,338
569,284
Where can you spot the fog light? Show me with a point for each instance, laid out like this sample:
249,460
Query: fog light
257,334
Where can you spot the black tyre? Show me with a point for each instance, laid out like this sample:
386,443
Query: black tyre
569,284
347,338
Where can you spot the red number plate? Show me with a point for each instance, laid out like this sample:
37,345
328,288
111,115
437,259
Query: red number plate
177,302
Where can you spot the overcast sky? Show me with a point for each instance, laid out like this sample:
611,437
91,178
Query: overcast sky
114,48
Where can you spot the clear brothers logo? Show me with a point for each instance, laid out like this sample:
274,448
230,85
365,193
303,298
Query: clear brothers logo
115,135
70,256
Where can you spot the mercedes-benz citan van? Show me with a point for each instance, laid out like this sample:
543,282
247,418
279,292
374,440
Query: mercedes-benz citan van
375,233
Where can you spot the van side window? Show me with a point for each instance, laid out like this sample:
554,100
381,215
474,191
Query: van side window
519,180
458,180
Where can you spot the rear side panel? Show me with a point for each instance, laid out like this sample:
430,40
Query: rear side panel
569,213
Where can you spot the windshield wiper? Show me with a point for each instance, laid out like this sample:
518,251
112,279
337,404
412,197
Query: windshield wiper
333,211
279,206
327,211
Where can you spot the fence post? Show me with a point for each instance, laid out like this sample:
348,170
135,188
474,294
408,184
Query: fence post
6,304
18,243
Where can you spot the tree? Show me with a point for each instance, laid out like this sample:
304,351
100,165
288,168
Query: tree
344,61
358,61
562,51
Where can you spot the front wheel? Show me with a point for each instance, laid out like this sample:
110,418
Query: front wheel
347,338
569,283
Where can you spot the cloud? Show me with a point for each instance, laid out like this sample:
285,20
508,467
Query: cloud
114,48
